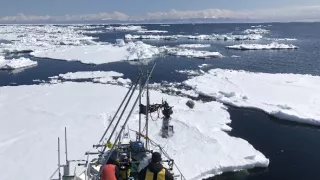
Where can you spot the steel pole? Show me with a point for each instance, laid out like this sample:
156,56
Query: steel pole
105,132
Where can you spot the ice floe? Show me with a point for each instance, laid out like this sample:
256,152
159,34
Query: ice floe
105,77
203,65
201,37
191,72
235,56
125,28
226,37
260,26
194,45
89,75
292,97
272,46
192,53
152,31
281,39
16,63
256,31
200,148
155,37
165,25
100,54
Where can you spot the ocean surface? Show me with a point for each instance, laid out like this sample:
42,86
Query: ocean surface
291,147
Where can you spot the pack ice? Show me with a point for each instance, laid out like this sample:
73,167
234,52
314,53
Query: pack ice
26,38
292,97
200,146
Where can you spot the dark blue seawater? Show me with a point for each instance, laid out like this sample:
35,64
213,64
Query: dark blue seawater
292,148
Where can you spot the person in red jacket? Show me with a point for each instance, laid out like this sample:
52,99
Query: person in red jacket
110,171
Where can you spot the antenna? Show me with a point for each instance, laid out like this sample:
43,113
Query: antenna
59,165
66,143
147,112
66,169
140,89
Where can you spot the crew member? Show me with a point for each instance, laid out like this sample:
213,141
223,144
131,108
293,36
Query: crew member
110,171
155,170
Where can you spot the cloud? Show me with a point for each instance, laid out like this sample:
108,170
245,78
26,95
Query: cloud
292,13
84,17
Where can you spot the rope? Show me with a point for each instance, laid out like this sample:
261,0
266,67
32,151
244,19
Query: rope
158,110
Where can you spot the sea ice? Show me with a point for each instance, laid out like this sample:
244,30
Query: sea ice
154,37
16,63
200,147
89,75
235,56
292,97
226,37
192,53
203,65
281,39
104,77
24,38
100,54
272,46
194,45
152,31
256,31
125,28
191,72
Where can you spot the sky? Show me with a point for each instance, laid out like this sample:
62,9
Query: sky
141,8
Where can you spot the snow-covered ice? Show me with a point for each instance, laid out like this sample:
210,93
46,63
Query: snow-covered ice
258,26
191,72
293,97
203,65
247,37
89,75
235,56
154,37
281,39
104,77
192,53
272,46
194,45
256,31
152,31
100,54
16,63
201,37
125,28
22,38
226,37
28,138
